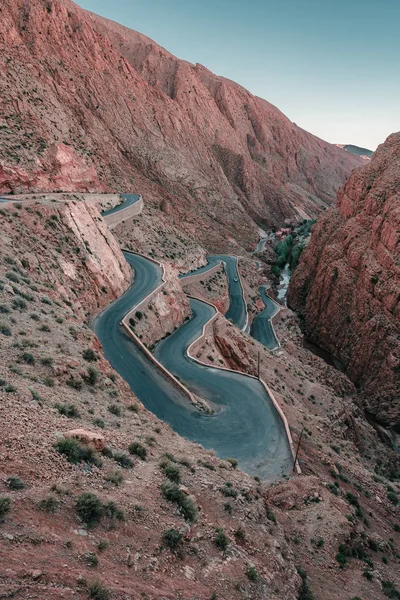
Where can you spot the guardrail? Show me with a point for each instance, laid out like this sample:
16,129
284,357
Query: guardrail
267,389
173,379
122,215
140,344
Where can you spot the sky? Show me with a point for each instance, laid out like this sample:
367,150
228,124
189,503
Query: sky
332,66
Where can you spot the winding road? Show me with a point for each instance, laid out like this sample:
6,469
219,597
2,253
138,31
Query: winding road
261,328
245,425
129,199
237,312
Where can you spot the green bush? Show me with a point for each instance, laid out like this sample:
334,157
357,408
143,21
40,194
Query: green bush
76,452
123,460
115,477
19,304
252,574
5,330
188,508
97,591
91,559
220,539
172,472
390,590
343,555
15,483
368,574
107,452
111,511
75,383
172,538
49,504
5,505
240,534
114,409
228,491
89,508
92,376
47,361
89,355
393,497
305,591
233,462
138,449
102,545
68,410
270,514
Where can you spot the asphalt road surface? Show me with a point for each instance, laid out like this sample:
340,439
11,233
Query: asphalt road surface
237,308
128,200
261,327
245,425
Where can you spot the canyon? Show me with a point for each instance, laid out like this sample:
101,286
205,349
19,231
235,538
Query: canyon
348,282
131,115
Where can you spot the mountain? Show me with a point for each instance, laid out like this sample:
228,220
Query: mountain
362,152
347,285
134,117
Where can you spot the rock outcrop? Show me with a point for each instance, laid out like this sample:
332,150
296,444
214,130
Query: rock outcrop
68,243
200,146
60,170
347,285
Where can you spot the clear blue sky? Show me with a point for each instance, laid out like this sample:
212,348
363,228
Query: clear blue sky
332,66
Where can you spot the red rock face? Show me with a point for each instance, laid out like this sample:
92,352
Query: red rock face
60,170
347,285
197,144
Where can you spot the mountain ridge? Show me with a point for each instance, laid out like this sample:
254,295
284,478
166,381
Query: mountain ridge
211,152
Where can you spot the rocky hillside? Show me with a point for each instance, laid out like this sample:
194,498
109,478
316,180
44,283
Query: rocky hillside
135,117
149,514
128,538
347,285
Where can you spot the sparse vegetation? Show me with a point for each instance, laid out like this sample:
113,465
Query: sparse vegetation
92,376
390,590
123,460
137,449
5,505
228,490
97,591
172,538
89,508
15,483
115,410
173,493
172,472
68,410
76,452
252,573
220,539
89,355
305,590
49,504
115,477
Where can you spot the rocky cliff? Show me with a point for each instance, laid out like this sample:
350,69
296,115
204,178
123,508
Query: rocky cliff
138,118
347,285
66,243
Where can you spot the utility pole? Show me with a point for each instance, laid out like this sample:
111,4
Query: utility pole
258,364
297,450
